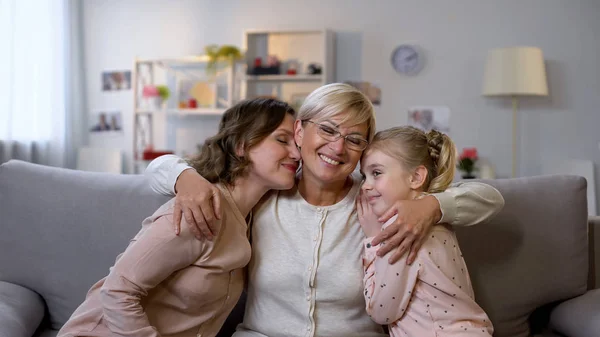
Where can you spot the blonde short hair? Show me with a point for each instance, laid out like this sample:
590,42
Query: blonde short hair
332,99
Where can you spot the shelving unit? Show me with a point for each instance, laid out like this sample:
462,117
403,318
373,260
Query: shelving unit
173,72
154,126
298,47
187,111
284,78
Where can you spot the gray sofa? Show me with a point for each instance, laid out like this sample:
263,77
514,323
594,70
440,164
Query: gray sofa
62,229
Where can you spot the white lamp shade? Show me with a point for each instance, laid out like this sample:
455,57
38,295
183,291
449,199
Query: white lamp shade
515,71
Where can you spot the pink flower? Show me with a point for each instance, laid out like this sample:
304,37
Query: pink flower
470,153
150,91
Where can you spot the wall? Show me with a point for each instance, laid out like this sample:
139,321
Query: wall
455,35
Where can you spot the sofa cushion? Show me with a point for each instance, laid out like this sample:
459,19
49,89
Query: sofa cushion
62,229
534,252
21,310
578,317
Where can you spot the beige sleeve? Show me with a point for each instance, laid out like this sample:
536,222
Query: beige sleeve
146,262
469,203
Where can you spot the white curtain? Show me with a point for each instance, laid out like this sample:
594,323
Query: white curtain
35,73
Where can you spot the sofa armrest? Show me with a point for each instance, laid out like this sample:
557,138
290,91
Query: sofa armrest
21,310
594,232
579,316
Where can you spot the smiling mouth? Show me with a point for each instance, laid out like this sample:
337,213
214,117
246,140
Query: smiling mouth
291,167
372,198
329,160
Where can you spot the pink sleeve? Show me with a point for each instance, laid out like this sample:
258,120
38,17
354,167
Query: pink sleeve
388,288
154,255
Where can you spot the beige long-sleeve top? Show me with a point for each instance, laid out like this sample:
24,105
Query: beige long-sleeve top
168,285
306,271
433,297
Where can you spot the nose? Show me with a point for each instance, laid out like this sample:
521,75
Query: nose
294,153
338,145
366,186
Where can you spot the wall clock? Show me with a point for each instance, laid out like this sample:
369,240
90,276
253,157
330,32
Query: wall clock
407,59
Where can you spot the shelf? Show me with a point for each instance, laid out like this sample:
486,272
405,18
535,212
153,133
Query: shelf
177,60
285,78
201,111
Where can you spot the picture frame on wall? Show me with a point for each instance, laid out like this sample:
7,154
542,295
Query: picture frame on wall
116,80
428,118
106,121
372,91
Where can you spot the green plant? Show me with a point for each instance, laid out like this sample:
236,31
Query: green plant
163,92
224,53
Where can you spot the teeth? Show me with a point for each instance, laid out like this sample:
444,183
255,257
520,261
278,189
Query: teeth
329,160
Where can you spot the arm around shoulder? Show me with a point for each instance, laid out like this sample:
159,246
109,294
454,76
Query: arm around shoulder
163,173
469,203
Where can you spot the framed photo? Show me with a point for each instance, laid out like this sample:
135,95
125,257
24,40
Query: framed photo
427,118
372,91
116,80
106,121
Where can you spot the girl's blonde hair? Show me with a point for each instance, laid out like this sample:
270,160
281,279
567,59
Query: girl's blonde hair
413,147
332,99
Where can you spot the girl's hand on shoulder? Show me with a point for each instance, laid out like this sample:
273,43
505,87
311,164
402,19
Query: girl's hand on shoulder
367,219
410,229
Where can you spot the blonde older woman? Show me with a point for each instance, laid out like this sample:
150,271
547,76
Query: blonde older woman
305,275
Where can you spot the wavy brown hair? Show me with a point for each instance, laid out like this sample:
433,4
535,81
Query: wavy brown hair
413,147
242,127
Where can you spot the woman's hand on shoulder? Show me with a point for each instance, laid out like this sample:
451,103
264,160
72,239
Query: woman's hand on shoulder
410,229
200,203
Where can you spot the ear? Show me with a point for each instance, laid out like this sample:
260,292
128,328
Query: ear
239,151
417,179
298,132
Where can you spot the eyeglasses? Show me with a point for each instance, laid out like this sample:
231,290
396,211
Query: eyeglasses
331,134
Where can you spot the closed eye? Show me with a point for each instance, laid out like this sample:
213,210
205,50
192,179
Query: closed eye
327,130
356,140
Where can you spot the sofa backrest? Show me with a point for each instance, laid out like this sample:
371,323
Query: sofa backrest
62,229
534,252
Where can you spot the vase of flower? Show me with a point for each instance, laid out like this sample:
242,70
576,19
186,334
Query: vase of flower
156,96
466,162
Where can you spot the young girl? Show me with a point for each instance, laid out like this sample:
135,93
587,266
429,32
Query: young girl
169,285
433,296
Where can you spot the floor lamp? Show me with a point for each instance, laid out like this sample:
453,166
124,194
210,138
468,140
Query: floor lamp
514,72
